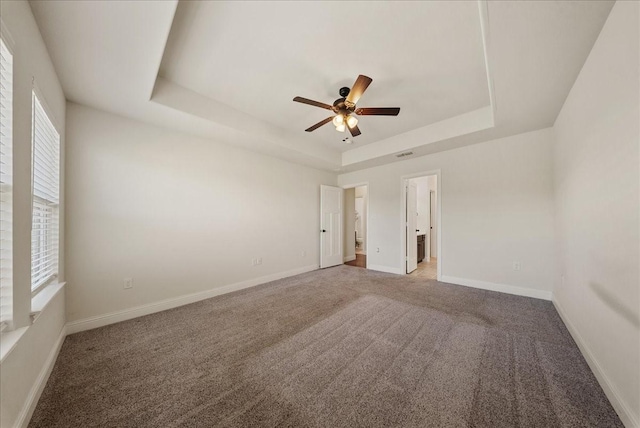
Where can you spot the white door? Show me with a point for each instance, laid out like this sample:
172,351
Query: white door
427,237
433,225
412,223
330,226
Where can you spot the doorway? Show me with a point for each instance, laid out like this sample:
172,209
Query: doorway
421,226
356,216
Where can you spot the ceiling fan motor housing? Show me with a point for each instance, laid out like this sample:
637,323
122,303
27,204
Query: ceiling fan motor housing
340,107
344,91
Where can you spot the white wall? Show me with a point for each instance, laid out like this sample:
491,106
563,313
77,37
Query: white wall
597,205
25,366
349,243
178,214
497,208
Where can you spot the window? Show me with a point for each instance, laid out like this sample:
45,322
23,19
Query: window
46,184
6,183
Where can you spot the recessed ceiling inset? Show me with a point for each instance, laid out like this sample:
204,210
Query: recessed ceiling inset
426,57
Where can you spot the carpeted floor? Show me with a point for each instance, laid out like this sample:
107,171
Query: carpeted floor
341,347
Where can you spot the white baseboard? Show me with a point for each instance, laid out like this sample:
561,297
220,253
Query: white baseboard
386,269
502,288
138,311
349,258
36,390
623,411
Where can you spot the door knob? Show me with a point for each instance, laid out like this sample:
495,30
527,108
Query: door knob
323,231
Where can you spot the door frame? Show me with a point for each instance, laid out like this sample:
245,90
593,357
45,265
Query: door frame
366,237
403,218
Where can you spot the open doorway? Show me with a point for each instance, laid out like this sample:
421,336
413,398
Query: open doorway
356,206
421,222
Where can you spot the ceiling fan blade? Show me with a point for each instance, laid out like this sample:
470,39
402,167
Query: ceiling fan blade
358,88
319,124
312,103
378,111
355,131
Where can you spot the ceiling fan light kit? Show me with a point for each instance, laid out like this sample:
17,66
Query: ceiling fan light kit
345,107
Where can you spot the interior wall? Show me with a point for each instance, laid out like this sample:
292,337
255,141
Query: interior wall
21,368
349,243
496,208
177,214
597,162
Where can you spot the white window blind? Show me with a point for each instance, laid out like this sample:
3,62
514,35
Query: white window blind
46,189
6,184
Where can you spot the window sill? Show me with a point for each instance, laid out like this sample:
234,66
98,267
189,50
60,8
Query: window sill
9,339
40,301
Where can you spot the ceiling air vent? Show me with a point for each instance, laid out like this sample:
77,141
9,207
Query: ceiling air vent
403,154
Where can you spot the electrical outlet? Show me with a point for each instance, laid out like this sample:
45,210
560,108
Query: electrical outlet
517,266
303,253
377,249
254,262
127,283
259,261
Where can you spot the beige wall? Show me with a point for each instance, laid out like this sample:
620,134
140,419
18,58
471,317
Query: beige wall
597,165
178,214
25,366
497,208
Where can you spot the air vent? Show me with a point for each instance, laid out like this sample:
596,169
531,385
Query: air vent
401,155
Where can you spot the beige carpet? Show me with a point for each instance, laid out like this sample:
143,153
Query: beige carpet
341,347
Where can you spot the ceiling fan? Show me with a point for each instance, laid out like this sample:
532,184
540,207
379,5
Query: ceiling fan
345,107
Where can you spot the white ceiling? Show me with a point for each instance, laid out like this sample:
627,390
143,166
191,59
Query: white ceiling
230,69
425,57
